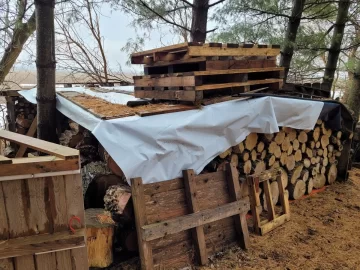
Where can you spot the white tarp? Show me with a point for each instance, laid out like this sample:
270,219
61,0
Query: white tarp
159,147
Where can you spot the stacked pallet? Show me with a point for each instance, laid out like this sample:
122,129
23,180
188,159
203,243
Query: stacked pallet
195,71
307,158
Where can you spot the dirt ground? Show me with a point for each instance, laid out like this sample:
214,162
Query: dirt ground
323,233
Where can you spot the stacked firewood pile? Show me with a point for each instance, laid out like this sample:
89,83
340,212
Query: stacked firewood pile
25,112
307,158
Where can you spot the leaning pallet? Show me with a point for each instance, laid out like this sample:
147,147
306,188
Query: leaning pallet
194,71
190,217
41,208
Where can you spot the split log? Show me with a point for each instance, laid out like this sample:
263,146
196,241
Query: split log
279,137
322,170
319,180
296,144
290,162
312,144
316,134
320,152
296,174
225,154
309,152
277,152
272,147
313,171
313,161
99,233
298,155
339,135
292,135
274,191
284,177
304,175
307,163
247,167
251,141
317,144
285,144
331,174
325,152
253,155
309,186
297,190
290,150
332,160
234,159
275,165
272,160
324,141
260,147
340,147
303,148
330,148
319,122
338,154
303,137
245,155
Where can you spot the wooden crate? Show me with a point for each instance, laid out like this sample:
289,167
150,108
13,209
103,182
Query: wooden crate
40,199
182,221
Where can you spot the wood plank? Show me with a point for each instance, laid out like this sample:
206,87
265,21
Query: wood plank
283,199
27,168
235,84
170,109
170,48
31,132
154,231
167,95
25,263
173,81
221,51
177,62
41,243
63,260
46,261
5,160
39,145
235,194
269,201
79,259
254,203
271,225
145,251
191,198
238,64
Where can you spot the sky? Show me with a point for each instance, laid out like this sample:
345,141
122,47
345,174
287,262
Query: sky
116,29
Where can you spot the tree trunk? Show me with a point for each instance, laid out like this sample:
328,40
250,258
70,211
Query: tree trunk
290,35
199,20
21,34
45,63
335,47
353,99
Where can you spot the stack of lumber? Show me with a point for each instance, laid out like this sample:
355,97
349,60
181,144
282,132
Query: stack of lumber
308,158
194,71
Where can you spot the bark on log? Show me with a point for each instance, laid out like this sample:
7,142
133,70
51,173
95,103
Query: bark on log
295,174
116,199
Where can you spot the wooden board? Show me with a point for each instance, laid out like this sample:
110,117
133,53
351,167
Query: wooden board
188,50
39,145
5,160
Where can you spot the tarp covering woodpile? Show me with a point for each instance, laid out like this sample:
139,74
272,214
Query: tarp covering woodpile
159,147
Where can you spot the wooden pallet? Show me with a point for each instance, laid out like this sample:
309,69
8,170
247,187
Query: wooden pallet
190,50
193,216
198,93
39,198
273,221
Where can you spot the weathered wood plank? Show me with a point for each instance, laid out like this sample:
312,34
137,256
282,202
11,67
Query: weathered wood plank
192,202
269,201
5,160
31,132
236,84
137,192
39,145
26,168
167,94
221,51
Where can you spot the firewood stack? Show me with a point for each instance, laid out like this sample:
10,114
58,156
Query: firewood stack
307,158
25,113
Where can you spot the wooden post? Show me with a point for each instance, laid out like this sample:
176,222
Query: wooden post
198,232
253,183
145,251
241,227
269,201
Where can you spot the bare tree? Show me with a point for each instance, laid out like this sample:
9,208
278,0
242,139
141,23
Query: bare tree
17,24
80,56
